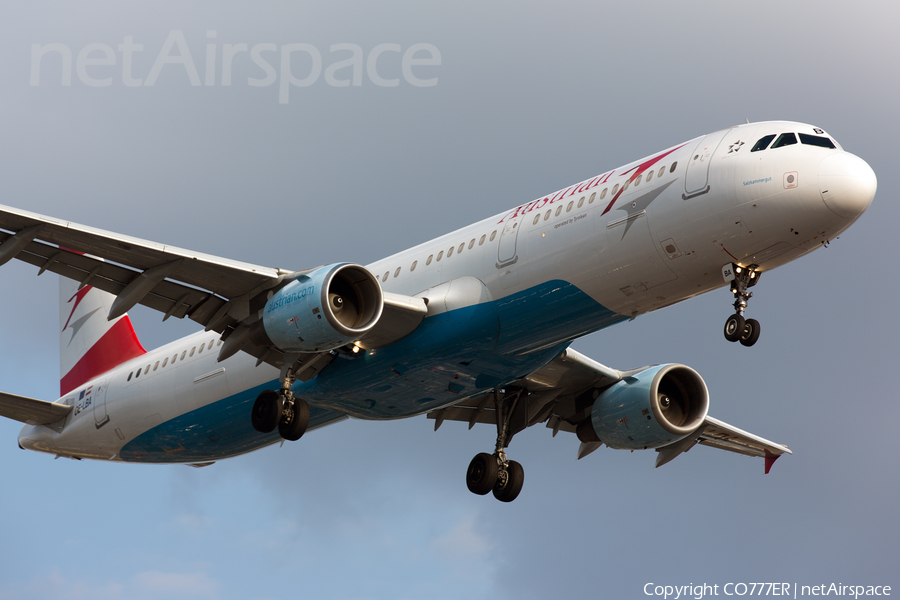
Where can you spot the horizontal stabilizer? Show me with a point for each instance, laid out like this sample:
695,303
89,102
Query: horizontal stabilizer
32,411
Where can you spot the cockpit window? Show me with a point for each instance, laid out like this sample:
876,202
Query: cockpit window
785,139
763,143
814,140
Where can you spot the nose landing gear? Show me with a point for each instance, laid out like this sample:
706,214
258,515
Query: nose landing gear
494,472
738,329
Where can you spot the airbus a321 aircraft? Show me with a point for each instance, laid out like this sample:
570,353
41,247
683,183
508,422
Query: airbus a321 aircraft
473,326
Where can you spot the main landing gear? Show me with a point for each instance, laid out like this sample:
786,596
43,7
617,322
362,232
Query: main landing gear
738,329
494,472
280,409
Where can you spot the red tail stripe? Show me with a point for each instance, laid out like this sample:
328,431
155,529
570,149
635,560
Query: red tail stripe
118,345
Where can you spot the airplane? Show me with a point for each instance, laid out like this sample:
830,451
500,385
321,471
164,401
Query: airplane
473,326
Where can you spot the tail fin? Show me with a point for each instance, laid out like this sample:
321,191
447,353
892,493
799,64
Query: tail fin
89,345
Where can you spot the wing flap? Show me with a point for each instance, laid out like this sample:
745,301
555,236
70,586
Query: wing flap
228,277
168,297
718,434
31,410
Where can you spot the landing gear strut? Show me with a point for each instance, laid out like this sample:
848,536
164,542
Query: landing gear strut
494,472
738,329
280,409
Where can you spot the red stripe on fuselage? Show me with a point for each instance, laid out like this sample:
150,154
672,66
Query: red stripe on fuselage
637,173
118,345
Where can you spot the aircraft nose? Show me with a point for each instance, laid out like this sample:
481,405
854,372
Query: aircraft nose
847,184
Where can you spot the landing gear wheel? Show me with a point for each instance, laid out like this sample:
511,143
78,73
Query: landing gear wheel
293,425
750,333
481,476
266,411
734,328
515,477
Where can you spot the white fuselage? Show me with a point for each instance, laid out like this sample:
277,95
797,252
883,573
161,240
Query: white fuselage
615,253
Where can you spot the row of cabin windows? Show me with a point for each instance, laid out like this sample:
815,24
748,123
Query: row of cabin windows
440,254
789,139
537,217
615,189
165,361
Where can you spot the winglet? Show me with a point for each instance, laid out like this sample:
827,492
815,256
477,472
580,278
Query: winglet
770,460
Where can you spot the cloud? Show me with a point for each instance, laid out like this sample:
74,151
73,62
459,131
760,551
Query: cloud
464,540
147,585
189,585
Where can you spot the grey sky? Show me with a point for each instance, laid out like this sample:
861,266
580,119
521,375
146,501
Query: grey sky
530,98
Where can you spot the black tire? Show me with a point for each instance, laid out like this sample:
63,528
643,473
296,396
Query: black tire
266,411
515,477
293,429
734,327
481,476
750,333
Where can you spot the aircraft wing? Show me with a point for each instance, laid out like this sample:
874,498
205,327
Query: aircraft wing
561,395
32,411
218,293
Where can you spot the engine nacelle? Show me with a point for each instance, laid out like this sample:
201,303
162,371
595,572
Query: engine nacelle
654,408
321,310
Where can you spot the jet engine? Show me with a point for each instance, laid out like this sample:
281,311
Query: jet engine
653,408
321,310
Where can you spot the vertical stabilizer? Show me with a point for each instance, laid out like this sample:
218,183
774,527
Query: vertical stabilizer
89,345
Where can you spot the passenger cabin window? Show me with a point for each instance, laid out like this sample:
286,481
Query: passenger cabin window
397,271
461,246
481,241
603,193
493,234
672,168
192,351
472,244
569,207
547,214
814,140
430,257
581,202
211,342
440,255
785,139
165,362
385,276
662,171
558,210
412,267
183,354
593,196
615,189
537,218
649,176
147,369
156,366
202,346
130,375
763,143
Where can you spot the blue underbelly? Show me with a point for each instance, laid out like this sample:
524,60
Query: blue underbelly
450,357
